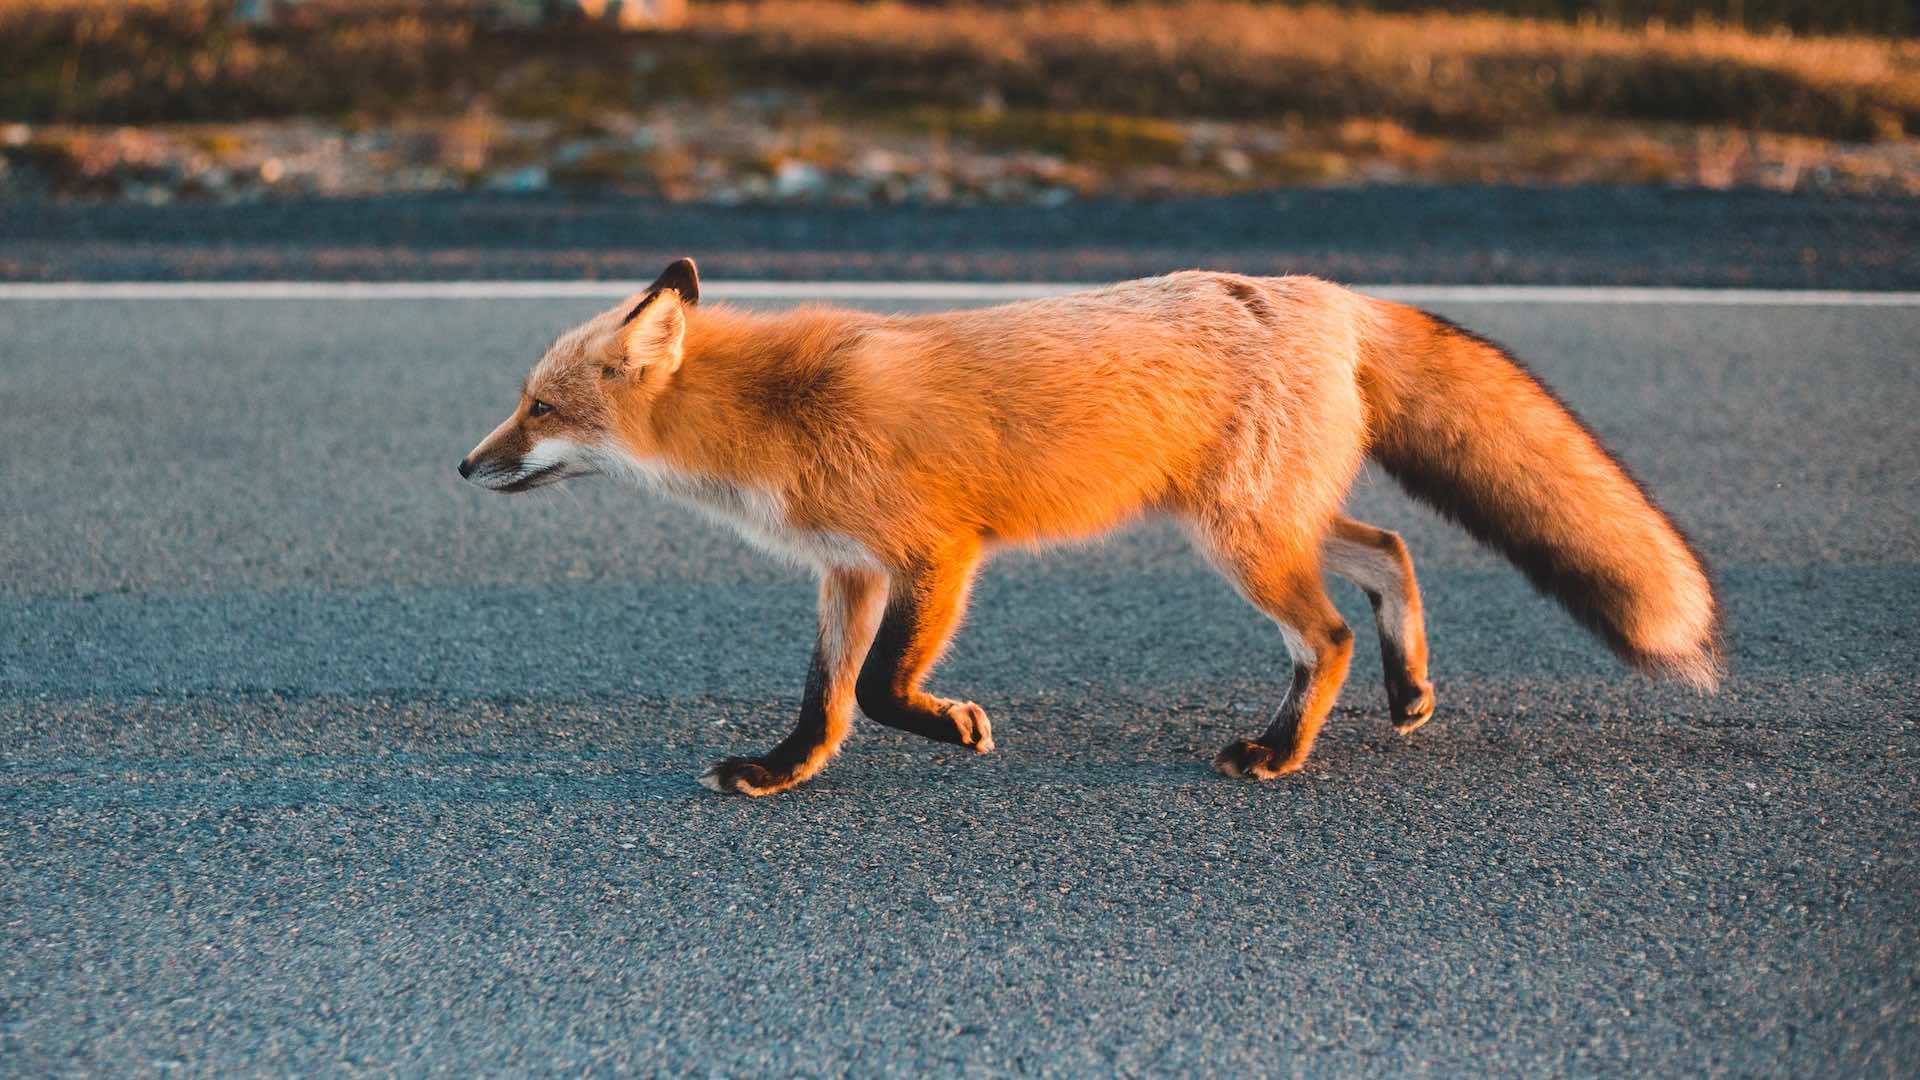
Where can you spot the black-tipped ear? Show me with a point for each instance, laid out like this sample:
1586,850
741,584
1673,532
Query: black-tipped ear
682,278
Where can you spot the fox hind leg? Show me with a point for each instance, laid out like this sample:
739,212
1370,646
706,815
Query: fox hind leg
1287,587
1378,562
924,606
850,606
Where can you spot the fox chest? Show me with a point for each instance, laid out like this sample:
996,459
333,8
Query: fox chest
761,518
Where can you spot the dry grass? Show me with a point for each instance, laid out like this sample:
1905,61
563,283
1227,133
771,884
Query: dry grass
1362,40
120,61
1435,72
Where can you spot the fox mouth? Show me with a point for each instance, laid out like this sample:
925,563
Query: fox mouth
546,462
540,477
516,480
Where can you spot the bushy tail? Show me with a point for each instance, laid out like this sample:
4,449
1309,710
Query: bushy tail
1469,431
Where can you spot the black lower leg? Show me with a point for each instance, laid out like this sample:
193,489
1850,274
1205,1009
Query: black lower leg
910,634
1284,732
797,754
1402,689
1284,746
809,734
1409,697
1267,755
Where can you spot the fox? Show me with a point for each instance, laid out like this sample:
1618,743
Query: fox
894,454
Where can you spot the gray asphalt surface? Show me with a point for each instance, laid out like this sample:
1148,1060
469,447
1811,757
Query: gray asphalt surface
313,758
1421,234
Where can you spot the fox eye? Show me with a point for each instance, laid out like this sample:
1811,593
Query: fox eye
539,408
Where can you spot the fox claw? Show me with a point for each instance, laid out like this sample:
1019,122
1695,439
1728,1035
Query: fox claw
971,724
1254,761
1409,715
743,775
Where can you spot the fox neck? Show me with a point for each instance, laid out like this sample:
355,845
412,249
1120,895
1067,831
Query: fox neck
721,415
737,431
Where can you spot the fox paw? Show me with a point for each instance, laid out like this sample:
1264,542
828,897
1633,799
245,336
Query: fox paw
1255,761
746,776
1412,708
970,724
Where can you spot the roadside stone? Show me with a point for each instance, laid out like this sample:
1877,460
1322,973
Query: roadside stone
1235,162
798,179
529,178
768,147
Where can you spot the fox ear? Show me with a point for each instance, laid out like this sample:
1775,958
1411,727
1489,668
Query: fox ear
652,334
682,278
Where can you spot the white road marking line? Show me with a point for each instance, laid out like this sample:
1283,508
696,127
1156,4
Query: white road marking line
921,291
1627,294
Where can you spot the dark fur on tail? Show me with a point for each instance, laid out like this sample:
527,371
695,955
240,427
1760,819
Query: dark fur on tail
1469,430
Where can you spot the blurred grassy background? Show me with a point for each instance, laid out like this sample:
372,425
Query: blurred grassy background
189,60
1100,86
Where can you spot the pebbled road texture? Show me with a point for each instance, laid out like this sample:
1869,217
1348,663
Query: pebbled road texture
314,759
1439,234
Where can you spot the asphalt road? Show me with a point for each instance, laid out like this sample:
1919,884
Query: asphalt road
313,758
1424,234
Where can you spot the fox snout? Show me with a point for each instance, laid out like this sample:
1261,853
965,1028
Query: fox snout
490,472
497,472
508,472
499,459
508,461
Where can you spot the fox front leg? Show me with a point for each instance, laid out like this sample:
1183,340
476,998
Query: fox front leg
850,606
923,608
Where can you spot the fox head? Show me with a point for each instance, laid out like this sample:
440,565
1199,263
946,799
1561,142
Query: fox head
566,423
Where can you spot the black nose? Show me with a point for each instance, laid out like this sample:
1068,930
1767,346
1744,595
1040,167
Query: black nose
466,468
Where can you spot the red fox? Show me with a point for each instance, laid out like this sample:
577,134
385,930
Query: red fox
894,453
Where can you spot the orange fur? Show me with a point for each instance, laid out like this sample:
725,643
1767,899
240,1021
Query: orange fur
904,448
1466,428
